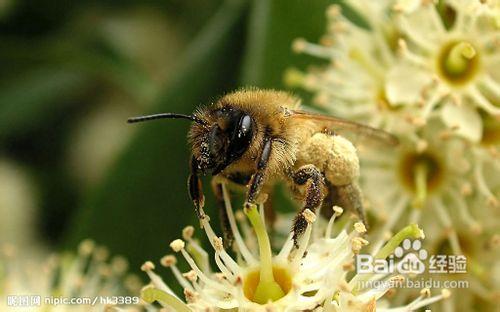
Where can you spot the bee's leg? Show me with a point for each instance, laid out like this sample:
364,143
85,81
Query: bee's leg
330,200
224,219
315,192
195,188
350,197
258,178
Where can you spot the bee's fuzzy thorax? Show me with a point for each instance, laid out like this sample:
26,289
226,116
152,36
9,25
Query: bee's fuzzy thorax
268,110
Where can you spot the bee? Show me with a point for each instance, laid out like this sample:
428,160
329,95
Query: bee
251,139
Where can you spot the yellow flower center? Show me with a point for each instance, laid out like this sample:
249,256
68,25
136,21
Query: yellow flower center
491,130
458,62
268,282
251,283
421,174
467,245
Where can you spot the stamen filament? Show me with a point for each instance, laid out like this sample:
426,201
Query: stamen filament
286,249
337,211
222,267
367,63
230,263
411,231
180,279
266,262
242,247
422,302
150,295
200,274
267,289
199,255
158,282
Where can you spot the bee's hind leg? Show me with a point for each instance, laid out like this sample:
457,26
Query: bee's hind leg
349,196
227,233
310,176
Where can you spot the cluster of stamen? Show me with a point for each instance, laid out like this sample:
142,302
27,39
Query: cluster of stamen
270,280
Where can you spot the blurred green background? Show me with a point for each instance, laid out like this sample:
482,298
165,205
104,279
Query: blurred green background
71,72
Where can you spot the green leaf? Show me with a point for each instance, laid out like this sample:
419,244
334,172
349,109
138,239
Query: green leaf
30,100
91,56
273,26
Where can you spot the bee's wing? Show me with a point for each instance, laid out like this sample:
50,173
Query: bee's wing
336,123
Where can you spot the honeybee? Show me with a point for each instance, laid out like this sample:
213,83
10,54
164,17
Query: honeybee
253,138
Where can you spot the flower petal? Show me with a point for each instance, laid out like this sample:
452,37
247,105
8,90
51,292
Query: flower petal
465,119
404,84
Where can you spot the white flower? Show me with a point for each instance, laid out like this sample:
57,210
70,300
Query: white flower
355,83
482,254
367,81
427,72
310,277
88,274
434,180
407,65
457,63
423,179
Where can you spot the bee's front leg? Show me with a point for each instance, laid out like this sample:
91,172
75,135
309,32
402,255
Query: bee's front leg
259,177
195,188
310,176
224,219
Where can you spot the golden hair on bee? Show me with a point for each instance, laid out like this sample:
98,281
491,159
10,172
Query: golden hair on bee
252,138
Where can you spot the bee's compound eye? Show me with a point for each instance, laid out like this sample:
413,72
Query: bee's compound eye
245,126
241,137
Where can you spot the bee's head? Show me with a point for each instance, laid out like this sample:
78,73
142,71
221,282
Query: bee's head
222,138
218,136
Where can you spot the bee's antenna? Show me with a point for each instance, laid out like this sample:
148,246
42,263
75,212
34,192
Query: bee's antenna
163,116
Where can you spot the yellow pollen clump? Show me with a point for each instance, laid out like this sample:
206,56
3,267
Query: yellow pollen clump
334,155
